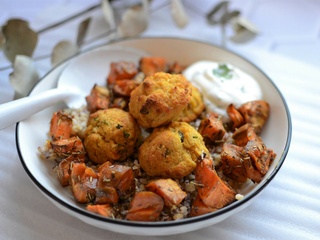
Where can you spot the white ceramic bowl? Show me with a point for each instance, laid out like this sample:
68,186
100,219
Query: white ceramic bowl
32,133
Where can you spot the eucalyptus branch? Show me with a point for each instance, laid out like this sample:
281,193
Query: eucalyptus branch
69,18
91,40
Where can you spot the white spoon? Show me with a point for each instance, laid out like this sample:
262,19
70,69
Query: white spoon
74,84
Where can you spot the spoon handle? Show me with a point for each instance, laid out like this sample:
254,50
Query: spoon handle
17,110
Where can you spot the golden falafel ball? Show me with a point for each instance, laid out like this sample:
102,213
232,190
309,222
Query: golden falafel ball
194,108
172,151
159,99
111,135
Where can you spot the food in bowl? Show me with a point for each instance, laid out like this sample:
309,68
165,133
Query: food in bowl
222,84
111,135
190,165
159,99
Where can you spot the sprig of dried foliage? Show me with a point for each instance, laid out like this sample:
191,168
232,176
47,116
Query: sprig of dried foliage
18,41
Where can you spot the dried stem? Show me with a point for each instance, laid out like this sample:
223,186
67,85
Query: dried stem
93,39
105,34
69,18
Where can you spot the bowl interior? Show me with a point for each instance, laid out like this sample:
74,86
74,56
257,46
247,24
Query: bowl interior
32,132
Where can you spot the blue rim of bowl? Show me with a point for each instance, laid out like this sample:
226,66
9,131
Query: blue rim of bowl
172,223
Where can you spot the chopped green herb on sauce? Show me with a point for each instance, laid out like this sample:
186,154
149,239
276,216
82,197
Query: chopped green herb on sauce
223,71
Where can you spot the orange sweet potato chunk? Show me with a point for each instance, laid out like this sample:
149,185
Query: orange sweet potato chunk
71,148
60,126
232,163
105,210
212,127
244,134
83,181
199,208
145,206
256,113
98,99
151,65
121,70
235,116
212,190
168,189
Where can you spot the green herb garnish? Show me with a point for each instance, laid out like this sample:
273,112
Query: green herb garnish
126,134
223,71
181,136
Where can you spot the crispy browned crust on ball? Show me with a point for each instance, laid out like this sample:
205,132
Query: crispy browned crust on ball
172,151
160,99
111,135
194,108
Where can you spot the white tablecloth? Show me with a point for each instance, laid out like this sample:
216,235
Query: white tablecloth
289,208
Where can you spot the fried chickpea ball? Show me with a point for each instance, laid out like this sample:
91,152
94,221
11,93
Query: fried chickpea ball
194,108
159,99
111,135
172,151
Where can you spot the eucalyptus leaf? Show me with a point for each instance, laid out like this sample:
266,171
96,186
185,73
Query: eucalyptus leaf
178,13
20,39
244,30
62,51
134,20
220,14
229,16
24,75
2,39
108,13
82,31
214,16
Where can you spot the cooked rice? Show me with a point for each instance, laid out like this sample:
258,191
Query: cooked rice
79,119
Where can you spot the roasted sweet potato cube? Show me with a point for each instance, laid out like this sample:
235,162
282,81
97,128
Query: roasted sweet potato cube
63,172
252,172
114,181
256,113
64,169
175,68
199,208
260,155
60,126
212,190
211,127
105,191
232,163
120,102
145,206
98,99
235,116
124,87
105,210
244,134
105,194
71,148
125,179
257,159
83,182
151,65
168,189
121,70
118,176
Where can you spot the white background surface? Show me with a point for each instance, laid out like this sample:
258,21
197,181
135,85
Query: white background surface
287,49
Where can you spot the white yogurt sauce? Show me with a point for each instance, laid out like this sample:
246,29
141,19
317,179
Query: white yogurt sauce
222,84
